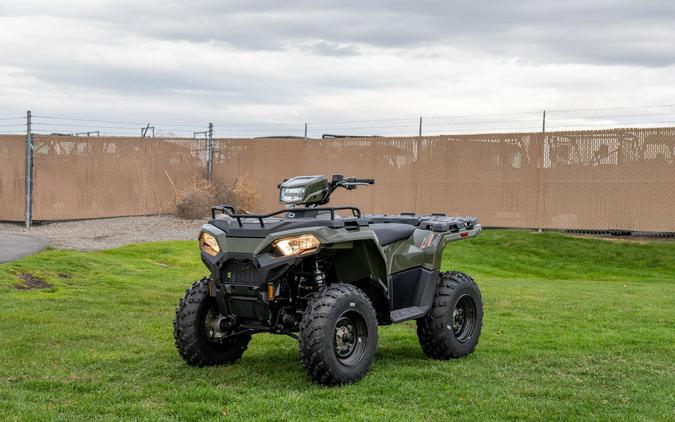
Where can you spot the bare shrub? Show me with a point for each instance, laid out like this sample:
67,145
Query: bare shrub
239,194
194,205
196,200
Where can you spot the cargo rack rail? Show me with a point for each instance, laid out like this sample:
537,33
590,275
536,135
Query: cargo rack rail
230,212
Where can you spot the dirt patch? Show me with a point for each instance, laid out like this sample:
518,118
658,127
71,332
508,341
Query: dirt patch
30,282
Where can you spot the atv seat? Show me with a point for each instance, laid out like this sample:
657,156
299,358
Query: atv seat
391,232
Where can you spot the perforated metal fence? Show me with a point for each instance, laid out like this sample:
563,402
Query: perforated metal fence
595,180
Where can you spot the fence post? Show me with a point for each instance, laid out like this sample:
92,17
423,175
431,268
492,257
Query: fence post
209,160
305,130
420,126
542,170
28,207
543,122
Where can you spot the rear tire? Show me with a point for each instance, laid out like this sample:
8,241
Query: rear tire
452,326
338,335
189,330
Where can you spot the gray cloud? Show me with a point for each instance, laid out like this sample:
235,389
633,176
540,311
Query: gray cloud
323,48
325,61
608,32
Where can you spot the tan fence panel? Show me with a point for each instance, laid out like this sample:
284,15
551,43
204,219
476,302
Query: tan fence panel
95,177
12,177
603,179
596,180
618,179
492,176
495,176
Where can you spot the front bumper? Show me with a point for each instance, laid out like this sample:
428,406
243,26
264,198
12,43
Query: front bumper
239,284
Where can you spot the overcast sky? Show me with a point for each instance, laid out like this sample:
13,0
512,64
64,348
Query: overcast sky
234,62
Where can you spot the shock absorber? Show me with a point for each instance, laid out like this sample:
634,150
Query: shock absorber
318,276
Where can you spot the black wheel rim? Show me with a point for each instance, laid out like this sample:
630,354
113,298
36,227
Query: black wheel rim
351,338
463,318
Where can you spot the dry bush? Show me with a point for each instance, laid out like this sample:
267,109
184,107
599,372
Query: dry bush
239,194
197,199
194,205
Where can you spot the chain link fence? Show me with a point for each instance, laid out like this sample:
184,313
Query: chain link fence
595,180
12,177
619,179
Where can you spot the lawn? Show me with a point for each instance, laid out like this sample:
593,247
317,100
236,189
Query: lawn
574,329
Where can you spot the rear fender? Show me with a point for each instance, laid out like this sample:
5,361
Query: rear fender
446,238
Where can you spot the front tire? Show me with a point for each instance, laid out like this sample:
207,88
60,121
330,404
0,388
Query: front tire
338,335
194,311
452,326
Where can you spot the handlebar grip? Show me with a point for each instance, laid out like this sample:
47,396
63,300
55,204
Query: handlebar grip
356,180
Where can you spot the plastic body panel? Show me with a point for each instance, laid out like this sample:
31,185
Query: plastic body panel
405,272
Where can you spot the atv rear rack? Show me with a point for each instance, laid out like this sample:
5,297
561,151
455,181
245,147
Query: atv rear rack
229,211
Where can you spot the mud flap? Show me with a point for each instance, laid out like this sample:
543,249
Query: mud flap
412,293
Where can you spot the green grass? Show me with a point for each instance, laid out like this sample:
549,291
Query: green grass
574,329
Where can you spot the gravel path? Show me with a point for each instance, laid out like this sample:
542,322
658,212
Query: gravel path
113,232
110,232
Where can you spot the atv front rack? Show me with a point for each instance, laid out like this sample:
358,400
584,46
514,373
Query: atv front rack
229,211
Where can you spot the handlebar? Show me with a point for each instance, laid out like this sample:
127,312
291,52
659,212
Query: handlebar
356,180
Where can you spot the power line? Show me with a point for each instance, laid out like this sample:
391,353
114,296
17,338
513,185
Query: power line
89,120
258,124
121,122
482,123
535,112
614,124
182,125
120,128
453,116
363,121
498,129
563,118
87,126
609,108
413,120
600,116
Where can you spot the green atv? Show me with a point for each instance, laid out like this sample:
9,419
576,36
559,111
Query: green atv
328,280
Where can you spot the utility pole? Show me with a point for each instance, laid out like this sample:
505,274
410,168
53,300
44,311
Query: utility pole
305,130
209,162
420,133
28,208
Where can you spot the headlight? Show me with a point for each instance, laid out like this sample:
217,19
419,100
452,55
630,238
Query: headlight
208,243
292,195
297,245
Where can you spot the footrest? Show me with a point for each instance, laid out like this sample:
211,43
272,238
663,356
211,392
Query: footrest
405,314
